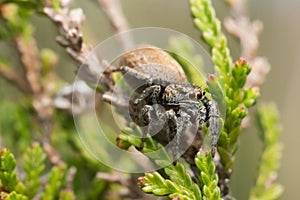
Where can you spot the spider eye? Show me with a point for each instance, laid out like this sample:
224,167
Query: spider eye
199,95
191,95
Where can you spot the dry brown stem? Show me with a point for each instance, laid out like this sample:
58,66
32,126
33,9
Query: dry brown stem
130,189
69,23
16,79
30,61
114,13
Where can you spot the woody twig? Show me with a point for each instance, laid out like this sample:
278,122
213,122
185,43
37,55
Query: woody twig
117,20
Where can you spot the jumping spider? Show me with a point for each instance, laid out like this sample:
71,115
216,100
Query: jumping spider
164,104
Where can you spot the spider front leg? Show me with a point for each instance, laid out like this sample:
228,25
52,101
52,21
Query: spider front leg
214,123
151,94
137,103
154,117
171,131
178,126
134,77
143,114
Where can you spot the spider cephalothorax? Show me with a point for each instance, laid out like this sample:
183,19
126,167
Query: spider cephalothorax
164,104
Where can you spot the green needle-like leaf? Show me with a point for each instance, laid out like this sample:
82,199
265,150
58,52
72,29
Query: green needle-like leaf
266,186
208,176
8,177
56,181
179,185
34,165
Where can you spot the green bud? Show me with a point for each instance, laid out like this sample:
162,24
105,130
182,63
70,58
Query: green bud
48,59
250,96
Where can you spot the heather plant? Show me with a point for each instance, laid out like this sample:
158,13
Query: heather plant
41,154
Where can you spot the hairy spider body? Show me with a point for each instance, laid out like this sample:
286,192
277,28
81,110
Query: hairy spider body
165,105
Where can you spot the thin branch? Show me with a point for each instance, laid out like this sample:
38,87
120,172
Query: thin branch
114,13
31,84
53,154
41,92
248,32
115,177
30,61
70,178
16,79
130,189
69,23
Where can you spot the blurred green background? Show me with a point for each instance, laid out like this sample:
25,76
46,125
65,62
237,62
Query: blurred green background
279,42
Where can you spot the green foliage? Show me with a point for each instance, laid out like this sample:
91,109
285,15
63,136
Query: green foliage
178,185
56,180
48,59
8,177
15,119
229,81
207,176
237,101
206,21
34,165
12,196
26,4
226,87
132,137
98,187
67,195
16,22
16,16
266,186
